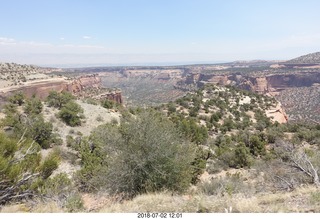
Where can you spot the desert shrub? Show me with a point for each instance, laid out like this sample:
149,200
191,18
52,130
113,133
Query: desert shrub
21,168
70,113
256,145
57,186
114,121
50,164
315,198
94,166
91,101
229,185
74,202
215,117
33,106
58,100
56,139
30,126
227,125
199,163
108,104
17,98
144,154
273,133
62,190
242,157
171,108
99,118
70,141
40,131
232,152
262,119
194,111
195,133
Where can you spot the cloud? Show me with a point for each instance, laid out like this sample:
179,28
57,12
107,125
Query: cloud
7,41
86,37
61,38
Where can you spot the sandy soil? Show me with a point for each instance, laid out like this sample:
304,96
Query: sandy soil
245,100
69,164
95,115
277,114
4,83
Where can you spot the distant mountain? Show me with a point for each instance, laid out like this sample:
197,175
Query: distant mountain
312,58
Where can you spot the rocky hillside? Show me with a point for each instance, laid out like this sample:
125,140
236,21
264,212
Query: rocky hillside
239,160
312,58
226,109
17,73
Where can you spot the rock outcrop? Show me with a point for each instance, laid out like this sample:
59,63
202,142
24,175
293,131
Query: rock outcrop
267,84
215,79
277,114
77,87
115,96
192,78
84,82
40,88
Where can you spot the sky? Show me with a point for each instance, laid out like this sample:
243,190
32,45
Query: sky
156,32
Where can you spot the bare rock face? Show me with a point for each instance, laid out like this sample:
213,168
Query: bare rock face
77,87
277,114
271,84
192,78
261,85
39,88
219,80
84,82
115,96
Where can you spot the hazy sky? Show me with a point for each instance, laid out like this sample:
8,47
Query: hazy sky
95,32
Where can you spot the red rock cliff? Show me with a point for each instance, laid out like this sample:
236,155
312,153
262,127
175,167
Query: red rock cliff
41,89
81,83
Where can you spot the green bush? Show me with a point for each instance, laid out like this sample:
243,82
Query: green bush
108,104
195,133
33,106
40,131
49,165
21,169
58,100
17,98
70,113
242,156
230,185
74,203
144,154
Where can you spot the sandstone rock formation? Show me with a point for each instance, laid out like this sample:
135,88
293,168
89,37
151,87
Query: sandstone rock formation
113,95
192,78
277,114
77,86
83,82
263,85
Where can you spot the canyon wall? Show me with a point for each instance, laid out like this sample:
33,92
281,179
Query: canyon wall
262,85
115,96
277,114
84,82
215,79
78,87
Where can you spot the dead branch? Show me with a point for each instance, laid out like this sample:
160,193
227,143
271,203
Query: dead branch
290,185
304,164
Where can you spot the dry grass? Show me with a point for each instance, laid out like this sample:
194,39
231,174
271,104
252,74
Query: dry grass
304,199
